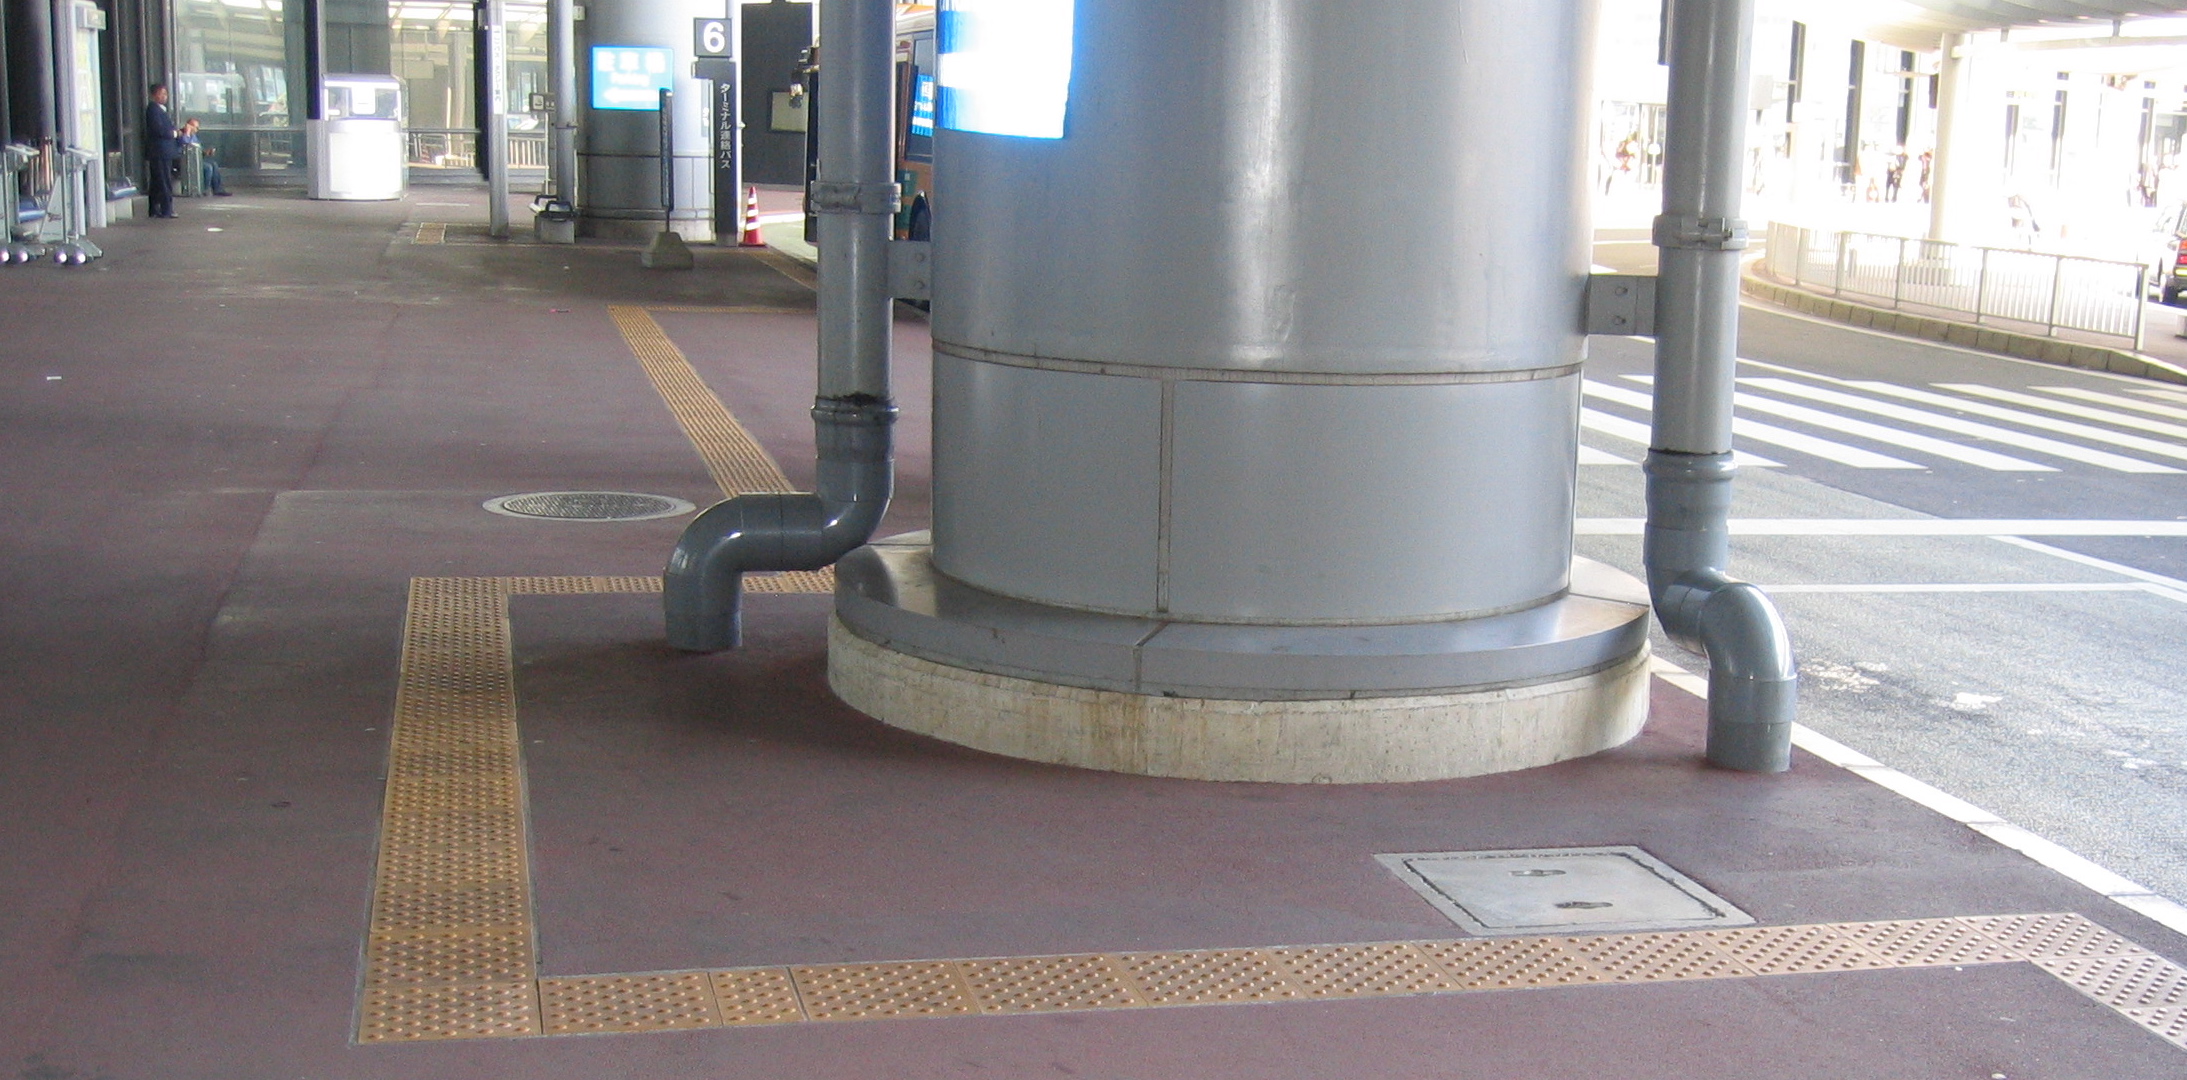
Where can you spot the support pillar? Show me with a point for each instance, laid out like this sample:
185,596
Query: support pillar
1966,198
619,161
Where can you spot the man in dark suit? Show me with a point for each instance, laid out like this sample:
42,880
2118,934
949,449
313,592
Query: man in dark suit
160,152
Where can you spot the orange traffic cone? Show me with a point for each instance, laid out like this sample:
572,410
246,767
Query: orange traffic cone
751,220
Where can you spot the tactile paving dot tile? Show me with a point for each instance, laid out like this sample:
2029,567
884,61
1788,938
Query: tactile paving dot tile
2124,982
792,581
1928,942
493,828
1047,984
1362,970
2169,1024
422,868
2066,935
498,1010
657,1002
1511,963
449,759
757,996
480,956
869,991
1214,975
1654,957
498,905
1792,950
408,795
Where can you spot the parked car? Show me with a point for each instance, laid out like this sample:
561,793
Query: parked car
2167,254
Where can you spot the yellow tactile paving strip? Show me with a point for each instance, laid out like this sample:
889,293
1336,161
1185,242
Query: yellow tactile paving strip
450,953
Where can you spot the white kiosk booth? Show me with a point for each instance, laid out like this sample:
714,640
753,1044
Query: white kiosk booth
357,144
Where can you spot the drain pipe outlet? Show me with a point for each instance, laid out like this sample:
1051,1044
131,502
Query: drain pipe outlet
853,417
1753,686
704,585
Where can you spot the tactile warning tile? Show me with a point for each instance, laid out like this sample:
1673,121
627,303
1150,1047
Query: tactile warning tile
2124,982
2041,937
1929,942
431,232
1199,978
736,460
1656,957
876,991
2169,1024
1047,984
396,911
462,956
757,996
792,581
627,1003
1362,970
1793,950
497,1010
1511,963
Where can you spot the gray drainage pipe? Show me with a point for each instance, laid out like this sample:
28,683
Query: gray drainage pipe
1753,686
855,196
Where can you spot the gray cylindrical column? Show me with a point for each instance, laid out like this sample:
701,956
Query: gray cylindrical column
619,164
562,65
1965,191
1285,328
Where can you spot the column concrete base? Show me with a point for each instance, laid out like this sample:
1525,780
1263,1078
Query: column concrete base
1343,741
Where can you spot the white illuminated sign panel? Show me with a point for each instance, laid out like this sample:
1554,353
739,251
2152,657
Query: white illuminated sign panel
630,76
1004,66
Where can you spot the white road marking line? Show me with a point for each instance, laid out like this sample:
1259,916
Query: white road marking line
1969,587
2169,584
1943,448
1618,427
1766,433
1999,527
2117,419
2022,440
454,204
1588,455
2027,419
2081,870
2165,395
2102,398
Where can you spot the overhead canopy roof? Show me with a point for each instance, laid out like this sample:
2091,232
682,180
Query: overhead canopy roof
1919,23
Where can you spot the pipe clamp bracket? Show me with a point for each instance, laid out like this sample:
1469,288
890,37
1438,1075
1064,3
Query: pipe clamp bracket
1694,233
851,197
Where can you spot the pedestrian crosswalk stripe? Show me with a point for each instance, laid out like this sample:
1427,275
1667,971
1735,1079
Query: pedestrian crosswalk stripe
1944,448
2165,395
2018,439
2116,401
2028,419
1767,433
1617,427
1588,455
2116,419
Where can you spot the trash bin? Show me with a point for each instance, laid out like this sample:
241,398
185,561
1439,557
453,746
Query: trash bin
357,144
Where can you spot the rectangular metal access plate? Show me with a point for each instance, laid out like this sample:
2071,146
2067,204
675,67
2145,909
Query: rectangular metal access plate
1571,889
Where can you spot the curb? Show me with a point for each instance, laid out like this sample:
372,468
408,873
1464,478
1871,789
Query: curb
1985,338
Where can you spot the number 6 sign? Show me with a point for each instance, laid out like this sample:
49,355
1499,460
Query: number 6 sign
712,36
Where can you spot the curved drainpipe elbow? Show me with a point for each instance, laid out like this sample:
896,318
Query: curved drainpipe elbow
1753,682
704,584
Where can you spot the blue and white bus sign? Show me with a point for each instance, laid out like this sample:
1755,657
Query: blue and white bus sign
631,76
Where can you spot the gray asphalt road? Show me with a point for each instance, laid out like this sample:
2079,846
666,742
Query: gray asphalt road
2032,677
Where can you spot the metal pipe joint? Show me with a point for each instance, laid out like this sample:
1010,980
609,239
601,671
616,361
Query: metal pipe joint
704,583
1753,681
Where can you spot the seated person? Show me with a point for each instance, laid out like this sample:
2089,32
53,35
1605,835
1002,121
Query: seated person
212,168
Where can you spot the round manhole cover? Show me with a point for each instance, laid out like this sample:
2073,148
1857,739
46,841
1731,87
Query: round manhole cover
589,506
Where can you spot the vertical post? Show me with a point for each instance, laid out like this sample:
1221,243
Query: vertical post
1981,285
728,166
494,124
562,65
1898,279
1837,279
668,160
1753,685
2057,279
854,196
2141,305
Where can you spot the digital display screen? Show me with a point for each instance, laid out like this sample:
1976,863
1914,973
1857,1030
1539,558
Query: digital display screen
922,107
1004,66
631,76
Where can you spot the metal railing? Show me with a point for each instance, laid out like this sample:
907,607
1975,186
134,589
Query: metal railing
2054,292
457,148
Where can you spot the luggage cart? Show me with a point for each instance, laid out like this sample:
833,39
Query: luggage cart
74,247
19,232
